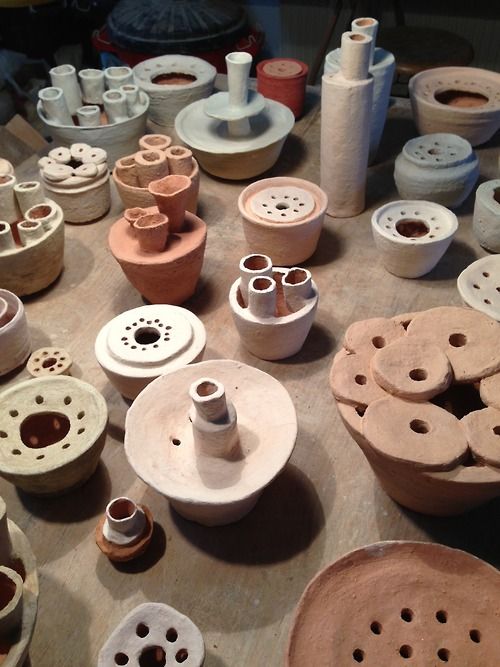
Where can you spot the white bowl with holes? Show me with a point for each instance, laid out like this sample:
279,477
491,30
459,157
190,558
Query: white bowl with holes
52,432
479,285
412,236
141,344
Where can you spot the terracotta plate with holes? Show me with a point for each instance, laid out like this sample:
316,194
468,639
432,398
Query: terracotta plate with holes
397,603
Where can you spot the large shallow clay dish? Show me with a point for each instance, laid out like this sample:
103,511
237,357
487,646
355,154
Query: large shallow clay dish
395,603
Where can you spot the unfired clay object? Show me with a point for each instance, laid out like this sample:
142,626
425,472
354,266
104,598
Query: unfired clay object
156,158
441,168
141,344
273,308
15,340
346,108
18,592
47,361
160,248
393,603
382,67
77,179
283,80
213,450
283,218
461,100
486,220
153,633
237,134
125,531
479,285
172,82
52,431
412,236
424,431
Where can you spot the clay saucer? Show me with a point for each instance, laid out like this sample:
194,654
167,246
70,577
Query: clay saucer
394,603
479,285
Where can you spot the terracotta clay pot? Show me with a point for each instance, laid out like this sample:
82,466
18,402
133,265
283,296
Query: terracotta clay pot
125,531
486,220
283,80
15,340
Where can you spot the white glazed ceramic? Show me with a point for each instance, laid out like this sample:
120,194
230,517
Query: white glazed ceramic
486,220
479,285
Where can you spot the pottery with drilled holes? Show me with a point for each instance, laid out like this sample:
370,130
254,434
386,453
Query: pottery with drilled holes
479,285
125,530
52,431
423,603
141,344
486,219
224,443
47,361
412,236
15,339
441,168
461,100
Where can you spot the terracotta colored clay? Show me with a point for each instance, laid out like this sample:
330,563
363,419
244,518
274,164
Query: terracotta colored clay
15,340
283,80
125,531
368,336
352,382
48,361
171,195
482,429
486,220
153,634
214,449
489,389
394,603
478,285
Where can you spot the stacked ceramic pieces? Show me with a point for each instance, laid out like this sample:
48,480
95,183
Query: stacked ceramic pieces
237,134
411,392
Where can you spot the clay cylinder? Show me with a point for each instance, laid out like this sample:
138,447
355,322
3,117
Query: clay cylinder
9,209
369,27
150,166
262,294
64,77
131,92
28,194
5,543
171,195
116,77
54,106
89,115
180,160
115,106
92,84
126,170
346,103
486,220
30,231
6,238
44,213
253,266
15,341
157,142
124,522
151,231
297,286
283,80
238,66
11,601
213,419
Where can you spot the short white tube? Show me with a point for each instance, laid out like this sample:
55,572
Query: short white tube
9,209
92,84
45,213
55,106
118,76
133,99
213,419
297,287
28,194
253,266
367,26
262,293
30,231
115,106
6,238
89,115
355,53
125,521
64,77
11,597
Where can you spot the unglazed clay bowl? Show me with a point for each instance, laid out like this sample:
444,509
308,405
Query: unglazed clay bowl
479,285
396,603
460,100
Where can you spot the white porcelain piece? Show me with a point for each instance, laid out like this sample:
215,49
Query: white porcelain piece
92,85
486,218
54,107
479,285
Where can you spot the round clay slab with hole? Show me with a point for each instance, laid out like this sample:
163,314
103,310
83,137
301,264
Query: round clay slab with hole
368,336
49,361
412,369
420,434
468,338
489,390
479,285
153,634
482,429
397,603
352,382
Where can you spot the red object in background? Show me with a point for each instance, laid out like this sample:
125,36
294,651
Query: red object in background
283,80
251,43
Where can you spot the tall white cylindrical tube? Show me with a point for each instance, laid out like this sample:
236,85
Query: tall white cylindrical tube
64,77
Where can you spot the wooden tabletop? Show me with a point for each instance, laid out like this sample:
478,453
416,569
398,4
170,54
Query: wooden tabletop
240,583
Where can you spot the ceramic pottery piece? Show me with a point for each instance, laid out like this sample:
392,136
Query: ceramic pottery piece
157,158
141,344
412,392
9,207
225,444
461,100
125,531
238,134
441,168
382,68
153,634
412,236
164,269
5,167
32,249
479,286
283,80
283,218
486,220
15,340
53,430
64,77
28,194
346,109
172,82
18,592
77,179
48,361
273,308
415,602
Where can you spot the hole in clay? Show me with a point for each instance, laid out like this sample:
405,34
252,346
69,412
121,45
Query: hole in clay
358,655
7,590
443,654
67,400
475,636
261,284
121,659
477,286
487,302
496,195
486,274
206,389
39,399
461,98
434,151
376,628
457,340
459,400
357,38
81,414
418,374
13,413
123,508
66,445
406,651
44,429
419,426
378,342
146,335
16,452
176,441
153,656
171,635
151,157
361,409
181,655
407,615
142,630
282,206
496,430
412,228
360,379
3,434
173,79
442,616
364,22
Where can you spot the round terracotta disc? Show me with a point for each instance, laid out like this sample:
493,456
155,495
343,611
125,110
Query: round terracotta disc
469,339
396,603
282,68
421,434
489,390
368,336
482,429
352,382
49,361
124,552
412,369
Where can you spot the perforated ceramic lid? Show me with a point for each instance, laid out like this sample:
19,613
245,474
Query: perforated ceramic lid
437,150
479,285
282,204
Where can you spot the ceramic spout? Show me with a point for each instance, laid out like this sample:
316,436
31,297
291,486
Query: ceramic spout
11,601
126,171
213,419
297,287
355,53
55,107
92,84
6,238
28,194
64,77
180,160
152,231
30,231
151,165
367,26
253,266
89,115
171,195
5,543
115,106
262,294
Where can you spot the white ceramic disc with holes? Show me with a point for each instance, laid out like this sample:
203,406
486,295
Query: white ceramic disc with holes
283,204
479,285
49,361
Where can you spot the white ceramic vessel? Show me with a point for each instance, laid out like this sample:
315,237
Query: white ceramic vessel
15,340
486,219
479,285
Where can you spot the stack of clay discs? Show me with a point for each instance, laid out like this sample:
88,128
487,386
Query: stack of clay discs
420,395
283,80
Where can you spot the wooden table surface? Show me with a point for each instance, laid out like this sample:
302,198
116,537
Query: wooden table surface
240,583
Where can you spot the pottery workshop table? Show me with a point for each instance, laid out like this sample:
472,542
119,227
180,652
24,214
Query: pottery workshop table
240,583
